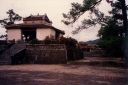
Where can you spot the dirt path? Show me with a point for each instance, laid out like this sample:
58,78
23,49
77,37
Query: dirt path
88,71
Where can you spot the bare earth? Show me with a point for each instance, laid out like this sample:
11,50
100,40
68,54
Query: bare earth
88,71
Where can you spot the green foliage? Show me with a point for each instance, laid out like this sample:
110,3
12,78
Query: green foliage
3,36
112,45
12,18
111,33
73,52
69,42
112,28
78,10
91,6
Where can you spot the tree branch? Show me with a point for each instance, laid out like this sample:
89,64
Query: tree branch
76,17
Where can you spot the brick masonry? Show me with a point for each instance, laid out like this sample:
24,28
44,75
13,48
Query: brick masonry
46,54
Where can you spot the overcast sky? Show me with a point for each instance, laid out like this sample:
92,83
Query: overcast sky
54,10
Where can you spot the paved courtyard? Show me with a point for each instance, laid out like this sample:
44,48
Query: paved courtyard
88,71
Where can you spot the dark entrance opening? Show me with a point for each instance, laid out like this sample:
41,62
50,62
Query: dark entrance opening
57,35
28,34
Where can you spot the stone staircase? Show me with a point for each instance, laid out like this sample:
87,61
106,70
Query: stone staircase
5,57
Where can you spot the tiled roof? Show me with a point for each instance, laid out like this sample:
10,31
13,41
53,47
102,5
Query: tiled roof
29,26
37,17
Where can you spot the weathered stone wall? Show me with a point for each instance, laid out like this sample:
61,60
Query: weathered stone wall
46,54
43,33
14,34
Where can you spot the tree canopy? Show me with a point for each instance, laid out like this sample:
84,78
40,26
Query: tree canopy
113,28
91,6
78,10
12,18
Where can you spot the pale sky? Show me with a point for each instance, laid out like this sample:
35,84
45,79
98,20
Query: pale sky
54,10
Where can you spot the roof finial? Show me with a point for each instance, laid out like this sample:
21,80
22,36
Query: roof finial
45,14
31,15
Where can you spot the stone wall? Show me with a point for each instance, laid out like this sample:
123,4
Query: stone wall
14,34
46,54
42,33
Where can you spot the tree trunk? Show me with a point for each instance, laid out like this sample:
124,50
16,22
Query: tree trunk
125,43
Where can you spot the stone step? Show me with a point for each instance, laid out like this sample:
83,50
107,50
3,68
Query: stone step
4,62
5,57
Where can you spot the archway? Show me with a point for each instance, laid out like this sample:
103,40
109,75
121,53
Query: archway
28,34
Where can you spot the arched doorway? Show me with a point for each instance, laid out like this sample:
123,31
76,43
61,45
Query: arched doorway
28,34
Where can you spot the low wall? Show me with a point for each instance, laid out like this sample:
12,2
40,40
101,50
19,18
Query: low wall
46,54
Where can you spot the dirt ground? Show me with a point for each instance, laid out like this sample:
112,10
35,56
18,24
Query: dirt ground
88,71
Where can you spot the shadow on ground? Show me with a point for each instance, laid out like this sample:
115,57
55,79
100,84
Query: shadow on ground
100,62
